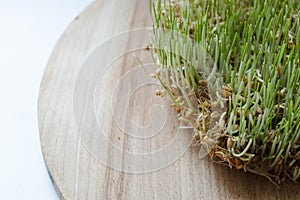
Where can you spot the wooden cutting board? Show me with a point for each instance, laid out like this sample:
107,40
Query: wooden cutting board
104,133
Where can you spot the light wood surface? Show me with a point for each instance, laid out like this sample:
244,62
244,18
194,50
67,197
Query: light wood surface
80,164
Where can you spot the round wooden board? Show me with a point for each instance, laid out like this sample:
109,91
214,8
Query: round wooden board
81,164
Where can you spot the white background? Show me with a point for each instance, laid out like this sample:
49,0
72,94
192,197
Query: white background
29,30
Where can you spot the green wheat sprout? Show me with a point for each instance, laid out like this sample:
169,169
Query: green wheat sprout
248,116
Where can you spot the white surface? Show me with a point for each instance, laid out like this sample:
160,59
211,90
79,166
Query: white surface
29,31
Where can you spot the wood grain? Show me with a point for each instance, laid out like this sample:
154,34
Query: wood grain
72,159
